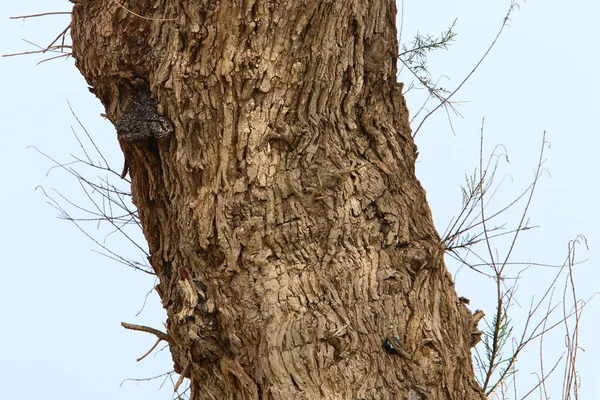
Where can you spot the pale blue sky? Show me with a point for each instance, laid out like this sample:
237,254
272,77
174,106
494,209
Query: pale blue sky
62,304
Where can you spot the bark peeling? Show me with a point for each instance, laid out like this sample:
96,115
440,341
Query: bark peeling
287,227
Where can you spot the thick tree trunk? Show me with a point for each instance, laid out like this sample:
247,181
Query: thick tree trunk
274,178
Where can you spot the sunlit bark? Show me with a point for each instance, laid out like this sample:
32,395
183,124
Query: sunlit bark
287,228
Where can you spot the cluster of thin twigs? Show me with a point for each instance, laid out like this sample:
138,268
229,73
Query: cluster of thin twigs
58,45
109,200
171,377
414,60
108,205
476,227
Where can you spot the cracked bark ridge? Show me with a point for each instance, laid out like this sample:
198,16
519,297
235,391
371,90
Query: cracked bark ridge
141,120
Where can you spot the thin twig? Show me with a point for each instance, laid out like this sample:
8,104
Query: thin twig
166,374
149,351
182,376
62,34
41,15
141,16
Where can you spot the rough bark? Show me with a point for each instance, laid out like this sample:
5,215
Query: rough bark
287,228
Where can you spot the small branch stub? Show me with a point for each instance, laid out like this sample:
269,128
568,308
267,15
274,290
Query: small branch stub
475,332
159,334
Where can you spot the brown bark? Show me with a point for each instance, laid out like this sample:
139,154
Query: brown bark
287,228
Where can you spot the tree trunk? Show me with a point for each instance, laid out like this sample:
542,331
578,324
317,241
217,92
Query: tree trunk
272,166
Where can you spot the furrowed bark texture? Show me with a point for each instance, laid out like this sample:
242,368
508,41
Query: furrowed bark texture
286,226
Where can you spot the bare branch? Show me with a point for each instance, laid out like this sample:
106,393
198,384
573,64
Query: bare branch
447,99
159,334
41,15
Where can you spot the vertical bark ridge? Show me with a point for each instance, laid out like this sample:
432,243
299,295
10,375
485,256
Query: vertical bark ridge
287,228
